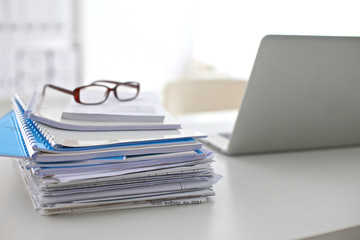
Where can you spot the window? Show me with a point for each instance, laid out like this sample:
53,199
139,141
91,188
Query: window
227,33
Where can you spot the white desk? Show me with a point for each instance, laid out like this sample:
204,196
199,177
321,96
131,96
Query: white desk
277,196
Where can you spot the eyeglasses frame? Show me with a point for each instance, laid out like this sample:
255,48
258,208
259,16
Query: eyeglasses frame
76,92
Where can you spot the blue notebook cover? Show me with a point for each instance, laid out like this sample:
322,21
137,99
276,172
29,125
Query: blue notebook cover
11,142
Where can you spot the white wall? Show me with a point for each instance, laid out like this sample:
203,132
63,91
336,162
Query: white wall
139,40
151,41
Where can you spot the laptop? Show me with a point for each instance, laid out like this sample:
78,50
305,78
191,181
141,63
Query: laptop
303,93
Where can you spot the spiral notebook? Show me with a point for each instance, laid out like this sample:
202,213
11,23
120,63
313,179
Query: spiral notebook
41,142
61,139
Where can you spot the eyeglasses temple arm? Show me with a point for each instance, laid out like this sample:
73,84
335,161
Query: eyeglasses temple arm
57,88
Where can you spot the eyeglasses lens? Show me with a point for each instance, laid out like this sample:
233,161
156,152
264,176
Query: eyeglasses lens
125,92
92,94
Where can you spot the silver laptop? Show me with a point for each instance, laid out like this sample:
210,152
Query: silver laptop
303,93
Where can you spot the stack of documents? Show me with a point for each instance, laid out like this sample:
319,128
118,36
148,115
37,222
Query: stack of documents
72,116
69,171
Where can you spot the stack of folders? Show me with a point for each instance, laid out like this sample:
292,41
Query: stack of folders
69,171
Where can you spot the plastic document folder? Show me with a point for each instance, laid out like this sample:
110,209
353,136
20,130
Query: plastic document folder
12,144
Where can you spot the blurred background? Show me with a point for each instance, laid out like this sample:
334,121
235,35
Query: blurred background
154,42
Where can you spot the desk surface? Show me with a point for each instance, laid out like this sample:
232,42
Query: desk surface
274,196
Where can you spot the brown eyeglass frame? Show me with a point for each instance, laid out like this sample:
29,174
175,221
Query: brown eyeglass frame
76,92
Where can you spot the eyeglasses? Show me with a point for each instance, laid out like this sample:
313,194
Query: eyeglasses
98,91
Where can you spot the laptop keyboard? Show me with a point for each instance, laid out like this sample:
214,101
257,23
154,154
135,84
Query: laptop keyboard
226,135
